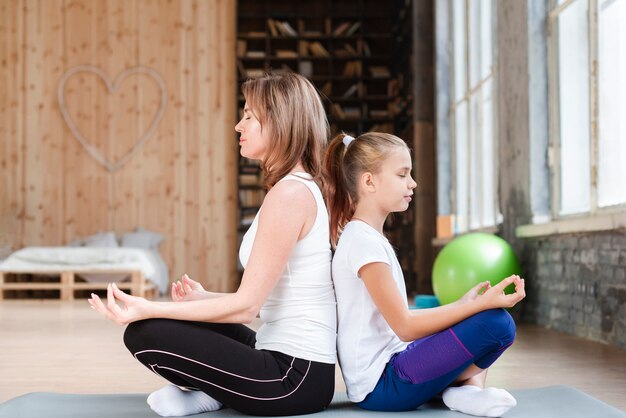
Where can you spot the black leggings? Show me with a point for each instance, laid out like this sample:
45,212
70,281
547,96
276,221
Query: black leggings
220,360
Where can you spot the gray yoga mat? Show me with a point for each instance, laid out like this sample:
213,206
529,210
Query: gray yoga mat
548,402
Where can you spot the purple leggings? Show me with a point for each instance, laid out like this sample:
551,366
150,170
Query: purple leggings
429,365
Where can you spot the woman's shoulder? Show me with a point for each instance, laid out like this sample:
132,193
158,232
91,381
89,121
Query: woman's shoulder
288,196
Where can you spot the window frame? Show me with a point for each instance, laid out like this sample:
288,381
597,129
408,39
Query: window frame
597,218
476,92
554,148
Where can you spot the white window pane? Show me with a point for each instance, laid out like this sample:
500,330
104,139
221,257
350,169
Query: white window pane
486,36
612,102
474,42
461,166
458,40
573,73
475,163
488,160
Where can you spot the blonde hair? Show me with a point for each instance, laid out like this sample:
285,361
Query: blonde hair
289,106
343,165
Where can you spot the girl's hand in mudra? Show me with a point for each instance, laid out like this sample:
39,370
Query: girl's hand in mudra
475,291
494,297
134,308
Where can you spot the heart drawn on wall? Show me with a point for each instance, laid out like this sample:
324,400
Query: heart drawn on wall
112,87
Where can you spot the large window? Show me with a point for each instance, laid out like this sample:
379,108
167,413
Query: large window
473,160
588,108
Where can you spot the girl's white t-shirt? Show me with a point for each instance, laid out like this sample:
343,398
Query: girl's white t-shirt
300,315
365,342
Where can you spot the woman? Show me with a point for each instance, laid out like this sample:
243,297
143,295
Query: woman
198,342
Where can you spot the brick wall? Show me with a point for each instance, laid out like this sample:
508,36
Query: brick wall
577,284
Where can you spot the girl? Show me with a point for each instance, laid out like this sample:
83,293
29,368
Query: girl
394,359
198,341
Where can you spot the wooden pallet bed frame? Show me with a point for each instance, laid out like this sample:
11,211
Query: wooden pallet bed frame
138,285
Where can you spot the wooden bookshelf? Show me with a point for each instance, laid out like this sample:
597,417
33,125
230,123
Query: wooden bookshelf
356,52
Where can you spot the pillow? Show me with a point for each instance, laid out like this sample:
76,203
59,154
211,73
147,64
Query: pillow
76,242
142,238
101,239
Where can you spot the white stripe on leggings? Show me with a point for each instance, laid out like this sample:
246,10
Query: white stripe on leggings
152,366
215,368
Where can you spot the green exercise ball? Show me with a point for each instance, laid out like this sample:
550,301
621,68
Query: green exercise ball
470,259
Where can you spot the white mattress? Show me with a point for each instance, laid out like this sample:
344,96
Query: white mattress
89,259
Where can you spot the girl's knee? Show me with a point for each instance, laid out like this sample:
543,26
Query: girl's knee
500,324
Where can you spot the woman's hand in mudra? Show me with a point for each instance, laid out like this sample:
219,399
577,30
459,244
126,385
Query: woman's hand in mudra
134,308
187,289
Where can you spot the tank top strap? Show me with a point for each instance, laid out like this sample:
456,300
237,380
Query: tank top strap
307,180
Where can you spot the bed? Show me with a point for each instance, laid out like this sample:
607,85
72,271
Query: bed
140,271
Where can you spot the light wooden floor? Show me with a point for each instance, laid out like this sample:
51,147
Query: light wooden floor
66,347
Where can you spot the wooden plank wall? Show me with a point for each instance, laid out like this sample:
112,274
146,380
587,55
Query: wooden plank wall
182,182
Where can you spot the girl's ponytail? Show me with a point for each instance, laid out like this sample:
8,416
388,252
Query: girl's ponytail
337,195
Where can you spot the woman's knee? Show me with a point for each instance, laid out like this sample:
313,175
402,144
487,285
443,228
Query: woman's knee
138,335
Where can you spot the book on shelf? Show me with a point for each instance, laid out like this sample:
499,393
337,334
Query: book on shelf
398,105
379,71
392,87
241,47
337,111
247,162
328,26
379,113
303,48
341,28
281,28
255,54
347,51
251,197
249,169
348,112
351,90
255,72
255,34
318,50
327,89
352,69
363,48
352,112
247,219
341,53
305,68
286,53
352,29
249,179
287,29
271,24
351,50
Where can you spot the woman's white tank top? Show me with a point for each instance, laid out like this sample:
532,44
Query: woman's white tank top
300,316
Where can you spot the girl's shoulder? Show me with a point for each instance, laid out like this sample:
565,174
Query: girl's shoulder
360,232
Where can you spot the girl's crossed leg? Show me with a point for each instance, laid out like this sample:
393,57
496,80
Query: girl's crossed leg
431,364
